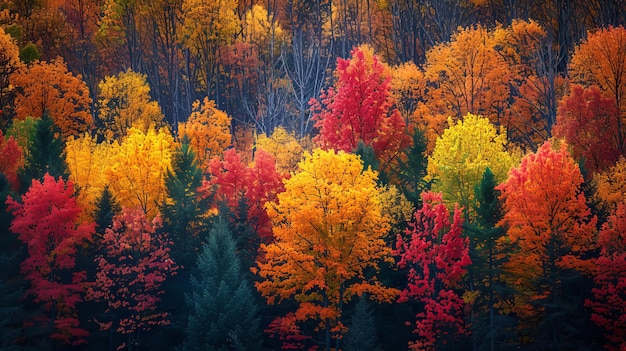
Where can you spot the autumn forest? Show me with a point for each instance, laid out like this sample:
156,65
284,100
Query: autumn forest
312,175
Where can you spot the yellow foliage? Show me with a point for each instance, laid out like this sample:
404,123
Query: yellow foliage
407,88
285,148
137,169
266,34
124,101
87,161
329,228
461,156
611,184
208,23
208,131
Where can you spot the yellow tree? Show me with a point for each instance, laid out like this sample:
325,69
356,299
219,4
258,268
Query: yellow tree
137,169
285,147
208,131
601,61
329,237
86,162
49,88
462,154
207,26
9,63
610,185
124,101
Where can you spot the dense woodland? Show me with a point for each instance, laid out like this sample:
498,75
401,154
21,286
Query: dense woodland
312,175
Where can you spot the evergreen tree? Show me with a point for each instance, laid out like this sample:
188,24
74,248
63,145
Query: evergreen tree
223,309
45,154
491,329
410,170
183,211
362,335
183,221
106,208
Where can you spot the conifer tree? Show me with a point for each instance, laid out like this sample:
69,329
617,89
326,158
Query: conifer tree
223,310
361,334
45,154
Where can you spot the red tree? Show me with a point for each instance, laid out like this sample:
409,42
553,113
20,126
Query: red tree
47,221
11,159
437,257
131,273
589,122
609,303
360,108
233,182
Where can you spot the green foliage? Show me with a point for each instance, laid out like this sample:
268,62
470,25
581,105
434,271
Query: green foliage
224,312
492,329
362,334
106,208
182,210
30,53
410,172
45,154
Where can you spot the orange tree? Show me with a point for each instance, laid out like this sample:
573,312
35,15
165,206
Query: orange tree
329,231
552,229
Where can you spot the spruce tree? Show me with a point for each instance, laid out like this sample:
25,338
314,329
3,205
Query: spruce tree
362,335
491,328
410,169
223,309
45,154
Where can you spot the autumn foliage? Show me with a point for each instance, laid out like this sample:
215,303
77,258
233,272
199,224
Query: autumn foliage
47,222
329,232
360,107
437,257
130,273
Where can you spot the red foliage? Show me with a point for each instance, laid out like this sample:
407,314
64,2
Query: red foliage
609,302
233,182
360,107
47,221
11,159
130,274
589,122
288,332
438,257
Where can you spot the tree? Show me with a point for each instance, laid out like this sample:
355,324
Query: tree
460,158
329,232
437,257
86,162
286,149
224,315
130,275
551,225
361,335
9,63
208,26
589,122
464,75
49,88
492,326
610,185
47,221
208,131
601,61
137,169
45,154
360,107
409,173
124,102
609,292
236,184
11,160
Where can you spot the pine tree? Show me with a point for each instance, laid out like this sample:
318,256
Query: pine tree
224,312
45,154
106,208
362,335
491,328
411,169
182,212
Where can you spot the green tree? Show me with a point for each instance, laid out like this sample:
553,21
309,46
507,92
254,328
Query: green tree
224,312
361,335
410,171
106,208
45,154
492,329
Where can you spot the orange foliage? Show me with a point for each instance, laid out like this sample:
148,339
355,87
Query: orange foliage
48,87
